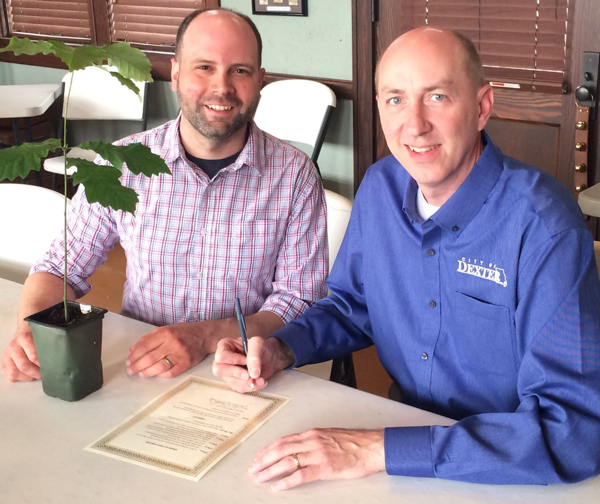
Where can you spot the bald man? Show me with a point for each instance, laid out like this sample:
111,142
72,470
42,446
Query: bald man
473,275
242,215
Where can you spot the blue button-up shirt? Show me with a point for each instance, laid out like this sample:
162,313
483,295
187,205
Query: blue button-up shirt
488,312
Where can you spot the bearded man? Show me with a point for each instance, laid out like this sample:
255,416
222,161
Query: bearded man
242,215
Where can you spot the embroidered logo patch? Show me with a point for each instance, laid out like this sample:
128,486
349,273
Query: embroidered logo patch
475,268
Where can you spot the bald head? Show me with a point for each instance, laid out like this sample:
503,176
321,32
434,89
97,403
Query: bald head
453,43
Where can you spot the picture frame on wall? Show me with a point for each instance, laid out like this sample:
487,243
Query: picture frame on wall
280,7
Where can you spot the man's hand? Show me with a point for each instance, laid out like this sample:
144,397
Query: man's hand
20,360
320,454
249,374
184,345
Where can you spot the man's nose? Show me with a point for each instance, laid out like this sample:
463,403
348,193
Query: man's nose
416,121
221,82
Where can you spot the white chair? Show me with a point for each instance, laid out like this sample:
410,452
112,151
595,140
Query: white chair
32,217
589,202
338,215
296,110
96,95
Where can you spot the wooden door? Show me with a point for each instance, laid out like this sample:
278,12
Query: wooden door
535,127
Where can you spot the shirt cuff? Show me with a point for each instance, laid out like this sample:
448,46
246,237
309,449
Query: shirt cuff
294,336
408,451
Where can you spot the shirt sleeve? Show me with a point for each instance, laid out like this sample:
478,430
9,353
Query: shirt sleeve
554,434
302,261
91,234
338,324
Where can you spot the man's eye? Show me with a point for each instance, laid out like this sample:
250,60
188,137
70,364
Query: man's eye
203,67
395,100
240,70
438,97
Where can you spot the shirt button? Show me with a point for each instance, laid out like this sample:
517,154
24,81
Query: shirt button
454,228
424,356
431,252
433,304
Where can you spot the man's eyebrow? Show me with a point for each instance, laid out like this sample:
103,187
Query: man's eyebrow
390,90
439,85
211,62
428,89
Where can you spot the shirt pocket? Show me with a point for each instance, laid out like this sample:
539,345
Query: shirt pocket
248,249
483,335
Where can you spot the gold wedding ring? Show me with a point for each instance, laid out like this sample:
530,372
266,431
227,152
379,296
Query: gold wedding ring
296,461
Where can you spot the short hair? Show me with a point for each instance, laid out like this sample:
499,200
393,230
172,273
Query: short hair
193,15
473,65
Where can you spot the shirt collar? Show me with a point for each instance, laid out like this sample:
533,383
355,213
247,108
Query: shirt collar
456,213
249,156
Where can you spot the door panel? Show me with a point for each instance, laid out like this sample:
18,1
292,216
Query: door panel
534,144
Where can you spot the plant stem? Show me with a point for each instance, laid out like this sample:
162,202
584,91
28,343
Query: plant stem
64,148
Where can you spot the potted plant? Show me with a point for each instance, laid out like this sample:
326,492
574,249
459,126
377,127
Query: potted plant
68,336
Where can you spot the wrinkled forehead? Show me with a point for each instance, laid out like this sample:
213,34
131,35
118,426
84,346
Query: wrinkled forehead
421,63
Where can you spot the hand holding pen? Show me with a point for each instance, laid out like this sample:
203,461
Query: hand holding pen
242,324
263,358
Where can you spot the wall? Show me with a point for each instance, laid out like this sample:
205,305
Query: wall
318,45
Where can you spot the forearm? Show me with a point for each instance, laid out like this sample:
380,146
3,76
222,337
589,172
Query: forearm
40,291
263,323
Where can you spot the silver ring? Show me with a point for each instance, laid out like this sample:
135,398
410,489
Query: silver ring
168,362
296,461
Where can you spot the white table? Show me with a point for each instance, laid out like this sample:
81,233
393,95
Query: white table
25,101
42,440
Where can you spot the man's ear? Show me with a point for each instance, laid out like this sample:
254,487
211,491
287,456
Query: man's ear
174,74
261,77
485,96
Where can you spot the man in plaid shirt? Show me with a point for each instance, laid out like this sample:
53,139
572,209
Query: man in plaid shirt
242,215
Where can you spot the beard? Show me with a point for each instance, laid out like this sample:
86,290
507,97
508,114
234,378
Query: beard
217,129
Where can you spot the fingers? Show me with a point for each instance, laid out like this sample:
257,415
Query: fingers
230,363
320,454
17,359
278,450
146,344
147,357
287,466
256,352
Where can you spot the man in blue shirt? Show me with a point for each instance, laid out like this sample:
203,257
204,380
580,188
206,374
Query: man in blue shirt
474,276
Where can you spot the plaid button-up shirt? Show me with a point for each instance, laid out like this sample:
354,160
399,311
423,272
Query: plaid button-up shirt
257,231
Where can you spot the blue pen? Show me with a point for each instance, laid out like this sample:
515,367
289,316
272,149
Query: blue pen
242,323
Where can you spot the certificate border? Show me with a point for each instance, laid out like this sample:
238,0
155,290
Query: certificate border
207,461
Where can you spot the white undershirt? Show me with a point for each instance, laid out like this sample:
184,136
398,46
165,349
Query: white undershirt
424,209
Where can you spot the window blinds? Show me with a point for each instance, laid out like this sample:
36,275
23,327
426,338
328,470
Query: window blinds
50,18
150,22
518,40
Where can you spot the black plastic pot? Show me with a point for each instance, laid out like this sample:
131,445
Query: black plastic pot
70,357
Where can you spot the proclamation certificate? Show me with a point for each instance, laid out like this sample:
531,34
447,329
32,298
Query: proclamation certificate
190,428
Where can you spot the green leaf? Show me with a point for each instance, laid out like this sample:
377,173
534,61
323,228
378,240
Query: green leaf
138,157
130,61
76,58
102,185
128,83
20,160
27,46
